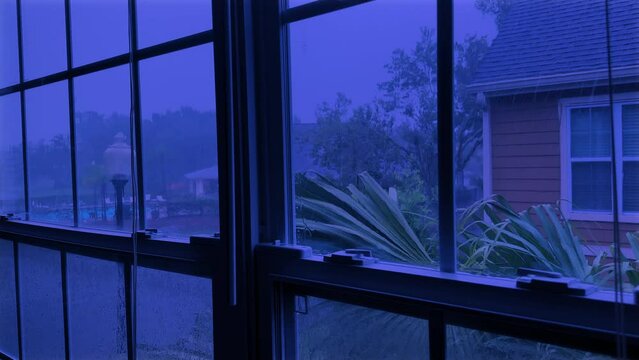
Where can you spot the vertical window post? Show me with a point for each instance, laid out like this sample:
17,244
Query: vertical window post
445,62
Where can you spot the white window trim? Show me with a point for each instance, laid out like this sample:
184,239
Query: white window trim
567,104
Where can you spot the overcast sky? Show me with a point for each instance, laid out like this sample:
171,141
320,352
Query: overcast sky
339,52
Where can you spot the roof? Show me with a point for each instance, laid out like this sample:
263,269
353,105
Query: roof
553,42
209,173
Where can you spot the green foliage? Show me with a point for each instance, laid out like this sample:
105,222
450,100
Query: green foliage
361,215
631,270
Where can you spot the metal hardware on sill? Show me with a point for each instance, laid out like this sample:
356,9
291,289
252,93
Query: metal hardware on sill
547,281
146,234
7,217
204,239
351,257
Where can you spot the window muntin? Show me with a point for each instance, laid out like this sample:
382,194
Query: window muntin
103,149
9,70
178,139
49,154
43,38
160,21
365,166
99,29
12,174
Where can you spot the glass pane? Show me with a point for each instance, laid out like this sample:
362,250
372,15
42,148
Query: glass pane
630,129
97,310
8,310
174,316
520,117
48,154
334,330
631,186
43,37
463,343
179,142
103,154
163,20
364,130
9,67
592,186
41,303
99,29
12,174
590,132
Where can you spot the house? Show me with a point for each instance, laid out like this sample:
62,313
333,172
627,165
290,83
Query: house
203,183
547,132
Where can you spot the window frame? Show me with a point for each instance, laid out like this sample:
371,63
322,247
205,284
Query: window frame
217,257
565,106
285,269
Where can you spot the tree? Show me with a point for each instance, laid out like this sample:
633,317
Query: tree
498,8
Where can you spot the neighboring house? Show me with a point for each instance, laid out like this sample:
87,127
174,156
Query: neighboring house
203,183
547,124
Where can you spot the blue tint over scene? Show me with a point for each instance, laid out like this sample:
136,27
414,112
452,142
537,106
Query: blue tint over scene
179,144
8,310
103,149
12,174
99,29
164,20
49,154
174,315
41,311
97,308
9,70
43,37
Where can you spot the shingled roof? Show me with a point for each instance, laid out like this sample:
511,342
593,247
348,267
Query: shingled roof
545,43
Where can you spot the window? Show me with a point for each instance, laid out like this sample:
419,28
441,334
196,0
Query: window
588,176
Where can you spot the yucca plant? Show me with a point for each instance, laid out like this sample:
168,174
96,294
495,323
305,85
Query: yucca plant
499,239
361,215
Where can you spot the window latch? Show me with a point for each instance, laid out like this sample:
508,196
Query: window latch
7,217
146,234
547,281
351,257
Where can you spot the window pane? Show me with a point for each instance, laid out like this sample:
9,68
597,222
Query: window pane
463,343
9,73
174,316
8,310
630,129
334,330
43,37
631,186
163,20
41,303
103,154
49,156
520,117
97,312
590,132
364,129
99,29
592,186
179,142
11,176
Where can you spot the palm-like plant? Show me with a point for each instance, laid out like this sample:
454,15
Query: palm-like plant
361,215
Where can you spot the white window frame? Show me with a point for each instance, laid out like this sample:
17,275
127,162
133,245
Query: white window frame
565,106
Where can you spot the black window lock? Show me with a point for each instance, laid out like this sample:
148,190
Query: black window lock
539,280
351,257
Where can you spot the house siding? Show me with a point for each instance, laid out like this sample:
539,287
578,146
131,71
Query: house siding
526,162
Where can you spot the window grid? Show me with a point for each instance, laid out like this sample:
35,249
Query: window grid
133,57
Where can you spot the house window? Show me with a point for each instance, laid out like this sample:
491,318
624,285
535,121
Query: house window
588,167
